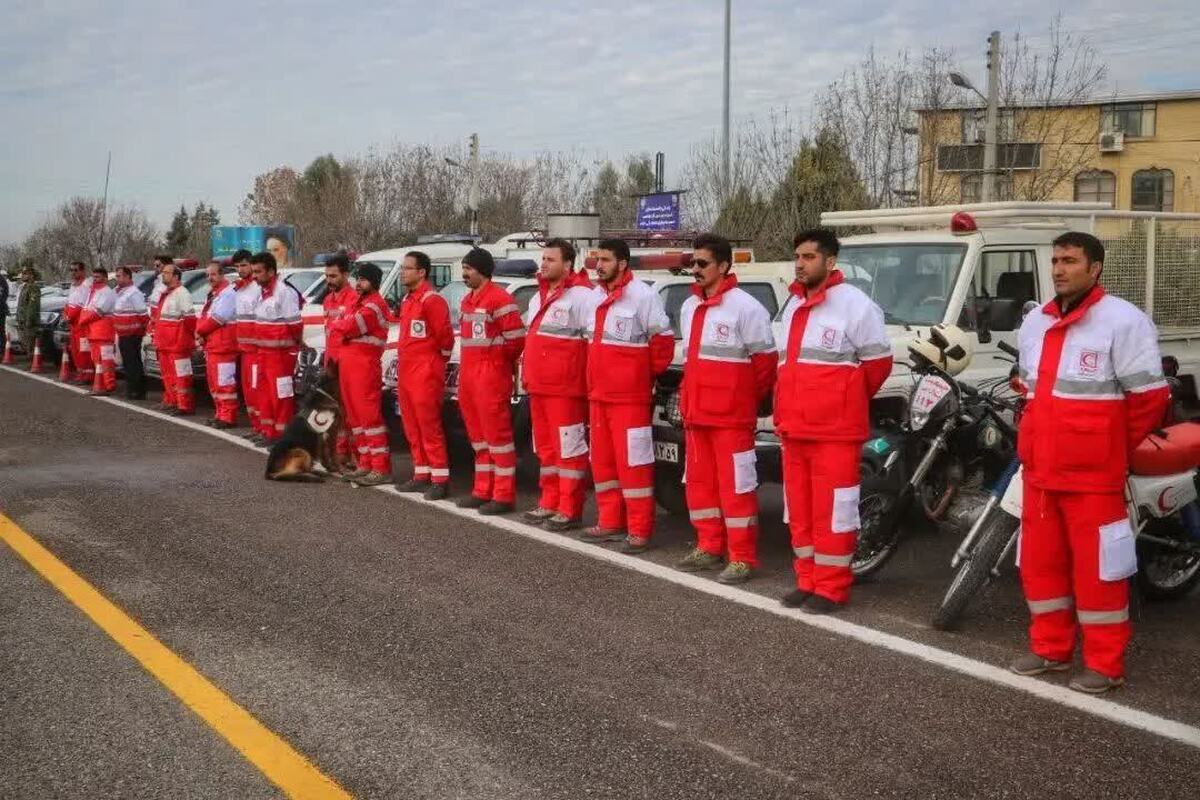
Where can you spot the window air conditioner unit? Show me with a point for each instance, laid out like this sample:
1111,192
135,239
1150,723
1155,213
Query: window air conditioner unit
1112,142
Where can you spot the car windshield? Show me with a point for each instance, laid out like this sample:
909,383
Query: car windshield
456,291
912,283
674,295
301,280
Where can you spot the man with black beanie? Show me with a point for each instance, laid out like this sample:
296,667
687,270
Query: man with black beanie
493,337
362,331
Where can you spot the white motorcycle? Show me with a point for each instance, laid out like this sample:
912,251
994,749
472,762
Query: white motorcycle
1161,496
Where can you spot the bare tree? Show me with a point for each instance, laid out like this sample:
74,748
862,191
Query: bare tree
73,232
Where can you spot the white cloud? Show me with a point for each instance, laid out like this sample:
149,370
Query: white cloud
195,99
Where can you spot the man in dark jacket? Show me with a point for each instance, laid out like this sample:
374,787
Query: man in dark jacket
3,310
29,308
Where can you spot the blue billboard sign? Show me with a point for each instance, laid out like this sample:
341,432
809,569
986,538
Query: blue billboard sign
228,239
658,212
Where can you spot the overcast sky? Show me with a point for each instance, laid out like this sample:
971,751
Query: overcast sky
195,99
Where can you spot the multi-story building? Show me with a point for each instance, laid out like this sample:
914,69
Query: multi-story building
1136,152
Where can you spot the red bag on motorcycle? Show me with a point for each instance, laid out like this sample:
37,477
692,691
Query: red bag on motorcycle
1176,450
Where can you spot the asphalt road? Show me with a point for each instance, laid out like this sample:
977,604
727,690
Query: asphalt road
408,652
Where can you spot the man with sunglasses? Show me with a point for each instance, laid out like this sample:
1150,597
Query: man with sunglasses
835,354
80,349
729,369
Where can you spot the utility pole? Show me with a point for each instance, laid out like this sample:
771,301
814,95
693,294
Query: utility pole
103,210
473,197
725,106
992,124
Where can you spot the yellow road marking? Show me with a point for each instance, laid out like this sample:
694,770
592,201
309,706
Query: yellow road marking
274,757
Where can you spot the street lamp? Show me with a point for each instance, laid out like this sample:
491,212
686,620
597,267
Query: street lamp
473,171
992,121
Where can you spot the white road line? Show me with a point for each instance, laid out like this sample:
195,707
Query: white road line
989,673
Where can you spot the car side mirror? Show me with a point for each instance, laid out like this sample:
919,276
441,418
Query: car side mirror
983,314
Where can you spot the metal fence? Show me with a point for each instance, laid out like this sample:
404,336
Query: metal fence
1154,263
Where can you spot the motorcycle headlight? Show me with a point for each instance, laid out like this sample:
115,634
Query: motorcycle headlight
672,411
917,419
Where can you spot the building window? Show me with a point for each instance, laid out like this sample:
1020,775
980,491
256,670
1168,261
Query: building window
1153,190
969,157
1096,186
974,125
972,188
1131,119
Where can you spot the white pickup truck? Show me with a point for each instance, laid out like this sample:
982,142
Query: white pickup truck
977,265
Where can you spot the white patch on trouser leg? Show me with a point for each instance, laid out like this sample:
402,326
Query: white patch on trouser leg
845,510
572,440
226,373
640,442
106,352
183,367
283,387
1118,551
745,472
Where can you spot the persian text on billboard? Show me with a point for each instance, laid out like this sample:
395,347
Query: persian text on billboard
658,212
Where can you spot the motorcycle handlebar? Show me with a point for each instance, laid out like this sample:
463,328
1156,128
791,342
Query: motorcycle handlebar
1008,348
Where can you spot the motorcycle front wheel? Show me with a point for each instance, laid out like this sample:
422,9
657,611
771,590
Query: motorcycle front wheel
878,531
976,571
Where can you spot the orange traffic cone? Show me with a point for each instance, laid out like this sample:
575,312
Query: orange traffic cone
64,372
36,364
8,356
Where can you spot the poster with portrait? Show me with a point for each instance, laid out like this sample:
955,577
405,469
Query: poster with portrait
278,240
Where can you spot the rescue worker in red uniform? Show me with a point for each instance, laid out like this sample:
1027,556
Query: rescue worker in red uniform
729,370
362,330
130,317
492,339
629,343
426,344
340,295
96,324
248,294
216,330
554,372
175,341
277,335
835,354
80,350
1091,366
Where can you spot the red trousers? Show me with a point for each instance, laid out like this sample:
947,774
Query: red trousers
104,365
276,392
248,373
623,466
419,394
821,487
722,479
360,381
176,369
484,400
1064,540
221,371
560,439
82,368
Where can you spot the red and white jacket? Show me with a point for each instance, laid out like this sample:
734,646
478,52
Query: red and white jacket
630,342
555,361
248,296
729,365
129,312
96,318
218,320
77,297
1096,389
175,325
426,334
336,305
277,324
492,334
363,328
834,354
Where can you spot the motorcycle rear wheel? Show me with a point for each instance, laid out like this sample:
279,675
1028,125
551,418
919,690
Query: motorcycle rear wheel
976,571
1165,573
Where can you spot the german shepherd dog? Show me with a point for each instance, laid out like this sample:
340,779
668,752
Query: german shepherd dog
311,436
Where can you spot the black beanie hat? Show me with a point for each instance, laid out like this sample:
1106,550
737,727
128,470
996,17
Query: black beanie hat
481,261
372,273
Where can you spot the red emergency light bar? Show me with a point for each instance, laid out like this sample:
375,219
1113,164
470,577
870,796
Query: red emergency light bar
671,261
